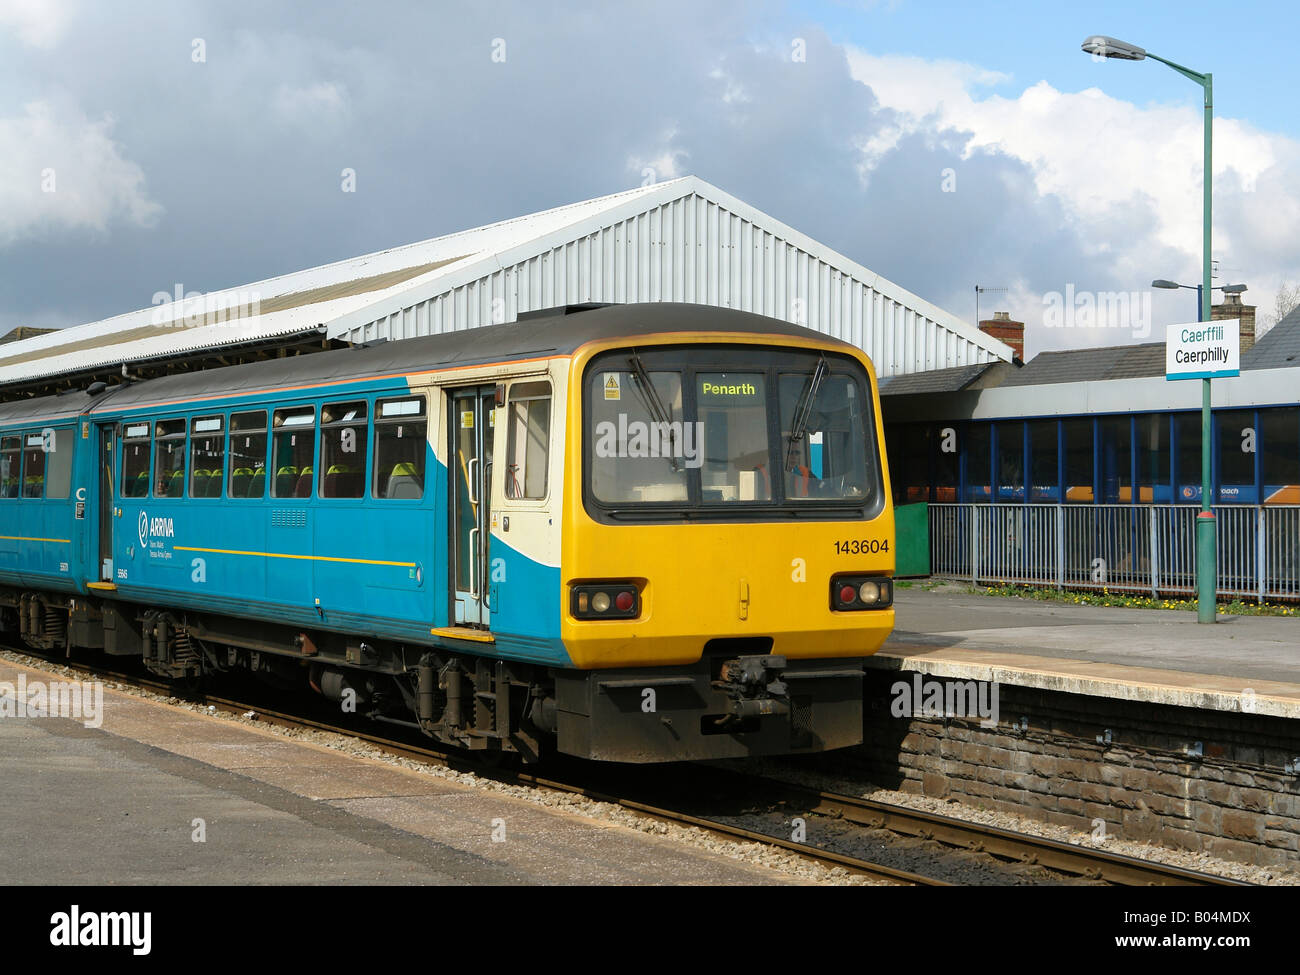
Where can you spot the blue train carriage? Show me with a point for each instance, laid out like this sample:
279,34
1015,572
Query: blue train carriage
42,515
428,532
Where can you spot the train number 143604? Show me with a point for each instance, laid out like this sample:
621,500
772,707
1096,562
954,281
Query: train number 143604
862,546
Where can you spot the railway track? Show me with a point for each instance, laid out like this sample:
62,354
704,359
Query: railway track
1084,863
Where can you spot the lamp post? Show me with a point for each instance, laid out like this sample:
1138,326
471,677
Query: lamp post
1206,541
1227,289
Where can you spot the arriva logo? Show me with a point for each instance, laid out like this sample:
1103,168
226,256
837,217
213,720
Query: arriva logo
148,528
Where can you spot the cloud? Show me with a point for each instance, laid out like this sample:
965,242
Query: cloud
245,151
1128,178
61,171
313,104
38,23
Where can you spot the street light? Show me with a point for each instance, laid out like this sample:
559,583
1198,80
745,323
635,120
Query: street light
1206,542
1227,289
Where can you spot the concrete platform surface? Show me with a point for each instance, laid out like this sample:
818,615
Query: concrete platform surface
1240,663
122,804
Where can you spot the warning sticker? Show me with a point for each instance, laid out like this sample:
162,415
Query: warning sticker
611,386
467,419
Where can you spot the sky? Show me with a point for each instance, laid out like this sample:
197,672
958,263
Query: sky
200,144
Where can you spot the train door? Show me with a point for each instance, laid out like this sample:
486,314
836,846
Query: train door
471,419
105,501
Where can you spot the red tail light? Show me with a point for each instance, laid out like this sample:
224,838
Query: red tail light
605,601
856,592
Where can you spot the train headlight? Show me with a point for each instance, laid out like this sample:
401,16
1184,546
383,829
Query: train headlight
852,593
605,601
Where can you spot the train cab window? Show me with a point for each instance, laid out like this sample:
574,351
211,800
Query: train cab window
207,456
528,445
247,456
169,459
401,432
11,467
34,450
343,450
732,406
830,460
631,462
294,452
58,464
136,442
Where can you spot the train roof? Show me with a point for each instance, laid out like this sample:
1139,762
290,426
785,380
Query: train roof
553,332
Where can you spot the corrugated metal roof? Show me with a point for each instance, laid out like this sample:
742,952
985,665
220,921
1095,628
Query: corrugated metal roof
681,240
219,316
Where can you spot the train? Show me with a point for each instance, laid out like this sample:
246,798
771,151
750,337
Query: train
628,533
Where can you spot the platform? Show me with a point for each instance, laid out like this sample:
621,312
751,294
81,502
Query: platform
117,804
1158,656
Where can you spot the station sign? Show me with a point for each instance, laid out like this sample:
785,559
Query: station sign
1203,350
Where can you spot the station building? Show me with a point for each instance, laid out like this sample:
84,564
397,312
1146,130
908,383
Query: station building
1103,431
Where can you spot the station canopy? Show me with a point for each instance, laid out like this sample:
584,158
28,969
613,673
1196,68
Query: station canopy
679,240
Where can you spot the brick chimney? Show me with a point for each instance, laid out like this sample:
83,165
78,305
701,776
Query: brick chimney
1233,308
1002,328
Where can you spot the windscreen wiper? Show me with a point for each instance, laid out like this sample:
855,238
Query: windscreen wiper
803,412
661,414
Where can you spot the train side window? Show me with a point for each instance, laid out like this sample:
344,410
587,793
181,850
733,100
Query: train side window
401,436
247,461
207,456
11,466
169,459
136,441
343,450
34,449
294,450
528,445
58,464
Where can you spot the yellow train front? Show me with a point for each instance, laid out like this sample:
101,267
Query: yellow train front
728,543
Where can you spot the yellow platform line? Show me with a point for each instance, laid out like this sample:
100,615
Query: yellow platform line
24,538
286,555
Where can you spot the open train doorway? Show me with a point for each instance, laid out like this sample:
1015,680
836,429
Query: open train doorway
472,418
105,499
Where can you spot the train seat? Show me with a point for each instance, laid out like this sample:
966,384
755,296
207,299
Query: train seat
285,479
404,482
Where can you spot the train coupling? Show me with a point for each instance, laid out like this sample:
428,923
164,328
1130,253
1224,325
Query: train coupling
754,686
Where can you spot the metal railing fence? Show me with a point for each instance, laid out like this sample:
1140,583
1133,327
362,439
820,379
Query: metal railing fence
1147,548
